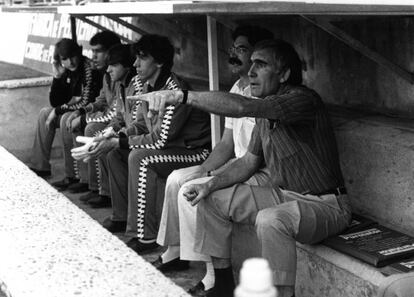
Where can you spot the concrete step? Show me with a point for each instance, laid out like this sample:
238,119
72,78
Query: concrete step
321,271
50,247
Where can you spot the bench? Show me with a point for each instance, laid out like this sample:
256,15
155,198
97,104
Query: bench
376,155
49,247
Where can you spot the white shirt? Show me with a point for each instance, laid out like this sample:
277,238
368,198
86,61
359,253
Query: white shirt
242,127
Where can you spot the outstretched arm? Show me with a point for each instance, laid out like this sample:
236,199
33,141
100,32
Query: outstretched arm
223,103
289,107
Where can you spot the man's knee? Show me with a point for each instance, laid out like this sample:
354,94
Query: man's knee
44,113
136,156
174,179
63,120
275,219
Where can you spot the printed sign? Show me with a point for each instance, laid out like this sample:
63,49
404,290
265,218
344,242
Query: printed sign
48,28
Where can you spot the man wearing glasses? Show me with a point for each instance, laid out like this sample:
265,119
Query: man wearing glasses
177,226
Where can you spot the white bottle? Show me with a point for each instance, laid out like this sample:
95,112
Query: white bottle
255,279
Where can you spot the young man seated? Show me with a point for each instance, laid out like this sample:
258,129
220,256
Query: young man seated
120,71
305,200
75,84
94,117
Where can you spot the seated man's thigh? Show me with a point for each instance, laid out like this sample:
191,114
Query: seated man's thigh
178,175
318,221
241,202
162,162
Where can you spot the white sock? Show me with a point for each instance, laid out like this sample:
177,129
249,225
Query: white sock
208,280
172,252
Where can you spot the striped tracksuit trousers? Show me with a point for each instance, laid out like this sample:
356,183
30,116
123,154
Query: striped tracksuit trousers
137,184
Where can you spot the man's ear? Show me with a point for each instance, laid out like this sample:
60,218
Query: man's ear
159,65
285,76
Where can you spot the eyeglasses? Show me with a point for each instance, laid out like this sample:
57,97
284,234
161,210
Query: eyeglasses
238,50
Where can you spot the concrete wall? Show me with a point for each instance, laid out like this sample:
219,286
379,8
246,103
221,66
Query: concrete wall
377,156
188,34
342,75
345,77
19,110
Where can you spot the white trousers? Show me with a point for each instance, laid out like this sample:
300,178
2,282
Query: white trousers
178,219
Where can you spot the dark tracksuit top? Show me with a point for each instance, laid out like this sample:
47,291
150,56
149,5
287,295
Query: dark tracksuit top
84,82
182,126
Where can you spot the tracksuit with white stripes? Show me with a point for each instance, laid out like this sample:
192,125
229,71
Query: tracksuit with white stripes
151,148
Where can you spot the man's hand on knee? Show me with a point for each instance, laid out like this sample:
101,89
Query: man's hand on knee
195,192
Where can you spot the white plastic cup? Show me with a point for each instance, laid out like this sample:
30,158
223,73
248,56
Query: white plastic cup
255,279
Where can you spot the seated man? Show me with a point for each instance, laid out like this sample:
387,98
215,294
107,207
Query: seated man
293,136
121,72
177,226
178,138
75,84
398,285
96,115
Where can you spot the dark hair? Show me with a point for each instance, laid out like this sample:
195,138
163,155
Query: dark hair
159,47
286,58
254,34
120,53
105,38
67,48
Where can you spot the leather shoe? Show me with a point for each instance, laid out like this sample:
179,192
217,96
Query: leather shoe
41,173
140,247
173,265
78,188
88,196
199,290
114,226
100,202
64,183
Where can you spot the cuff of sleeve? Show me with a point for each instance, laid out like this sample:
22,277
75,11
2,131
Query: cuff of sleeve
123,141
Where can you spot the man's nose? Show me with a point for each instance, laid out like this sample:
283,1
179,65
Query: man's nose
251,72
136,63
